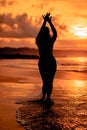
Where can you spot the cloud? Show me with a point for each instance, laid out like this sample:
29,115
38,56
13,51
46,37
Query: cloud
22,26
62,28
13,42
41,4
19,26
82,15
5,3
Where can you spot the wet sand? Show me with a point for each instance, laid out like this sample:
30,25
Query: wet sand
7,104
67,111
7,116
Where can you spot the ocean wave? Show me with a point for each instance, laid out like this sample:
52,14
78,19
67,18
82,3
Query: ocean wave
32,65
21,67
62,67
82,71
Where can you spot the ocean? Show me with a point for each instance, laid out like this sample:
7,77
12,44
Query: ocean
28,68
69,111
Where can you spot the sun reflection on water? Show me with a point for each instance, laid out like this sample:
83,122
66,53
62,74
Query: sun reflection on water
72,89
79,83
77,90
82,59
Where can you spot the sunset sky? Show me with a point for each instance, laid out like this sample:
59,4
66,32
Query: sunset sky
20,21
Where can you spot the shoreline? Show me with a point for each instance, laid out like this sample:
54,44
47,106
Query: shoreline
8,116
67,95
21,81
8,109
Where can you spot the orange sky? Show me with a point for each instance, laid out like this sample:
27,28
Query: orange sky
20,21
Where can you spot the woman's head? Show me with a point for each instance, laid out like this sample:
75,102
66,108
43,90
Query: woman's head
45,31
43,36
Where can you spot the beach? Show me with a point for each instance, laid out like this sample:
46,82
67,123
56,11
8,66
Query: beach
7,108
20,87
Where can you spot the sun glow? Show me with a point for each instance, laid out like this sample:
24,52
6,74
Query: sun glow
79,31
79,83
82,59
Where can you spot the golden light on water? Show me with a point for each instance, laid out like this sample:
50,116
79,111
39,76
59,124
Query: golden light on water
79,83
78,59
82,59
76,88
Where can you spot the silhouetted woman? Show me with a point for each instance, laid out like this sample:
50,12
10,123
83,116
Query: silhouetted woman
47,62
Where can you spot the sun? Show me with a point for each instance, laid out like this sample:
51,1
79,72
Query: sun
79,31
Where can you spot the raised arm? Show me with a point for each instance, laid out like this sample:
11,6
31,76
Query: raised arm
47,18
53,29
38,36
43,25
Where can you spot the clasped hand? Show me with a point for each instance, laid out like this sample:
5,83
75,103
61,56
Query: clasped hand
47,17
